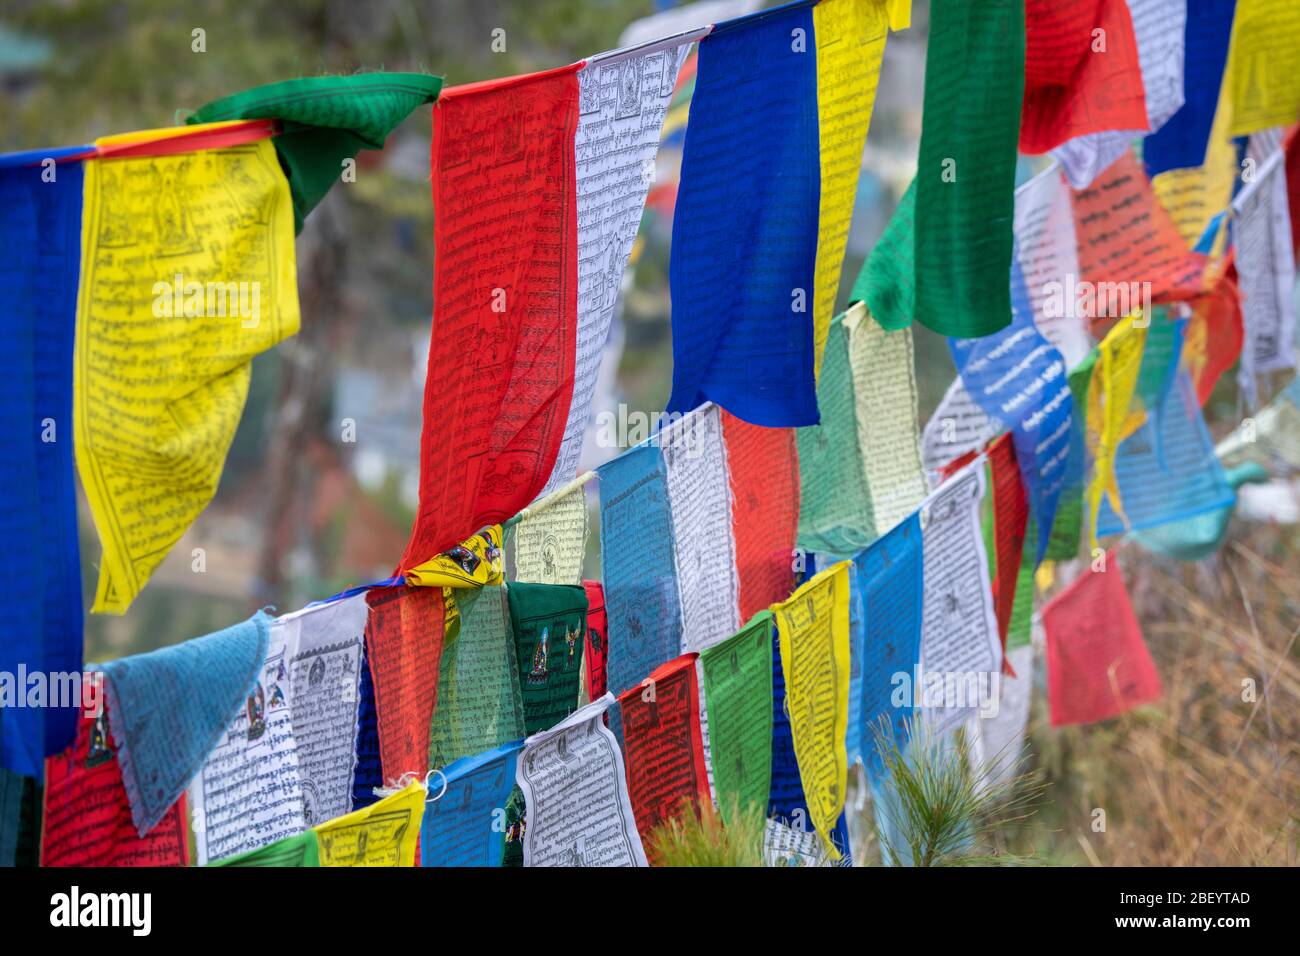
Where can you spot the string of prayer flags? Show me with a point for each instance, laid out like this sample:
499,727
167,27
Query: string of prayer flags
461,824
1265,262
385,833
960,649
187,272
637,555
325,121
835,514
623,97
890,578
325,650
662,745
763,467
169,708
474,563
813,629
1082,72
404,634
738,697
575,787
551,539
743,335
597,651
480,704
1020,380
1158,29
549,622
699,501
884,388
87,820
299,850
250,790
1263,71
501,358
1181,142
1098,666
40,248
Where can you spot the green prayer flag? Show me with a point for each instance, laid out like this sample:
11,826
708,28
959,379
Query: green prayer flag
479,706
738,698
325,119
945,257
300,850
549,622
835,514
1022,606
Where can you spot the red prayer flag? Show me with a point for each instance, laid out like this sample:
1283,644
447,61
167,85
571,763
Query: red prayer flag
597,639
1082,72
1097,663
501,358
87,817
1010,517
764,467
662,744
1212,342
1129,248
404,633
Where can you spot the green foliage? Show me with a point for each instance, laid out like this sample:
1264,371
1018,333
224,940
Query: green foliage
939,809
701,838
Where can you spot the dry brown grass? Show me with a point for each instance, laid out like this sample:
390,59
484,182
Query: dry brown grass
1202,777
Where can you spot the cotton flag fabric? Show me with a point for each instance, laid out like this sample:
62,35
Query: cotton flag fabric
623,97
1181,142
168,709
763,468
294,851
813,626
1082,72
501,357
890,575
574,783
636,544
549,624
1098,666
662,745
738,691
1263,71
551,539
749,319
460,824
597,640
187,272
326,120
1159,30
404,634
480,704
87,820
835,514
40,255
884,388
383,834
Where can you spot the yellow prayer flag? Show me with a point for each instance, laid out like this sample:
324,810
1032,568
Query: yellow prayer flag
382,834
471,564
187,272
850,44
1110,419
813,629
900,14
1263,72
1193,196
